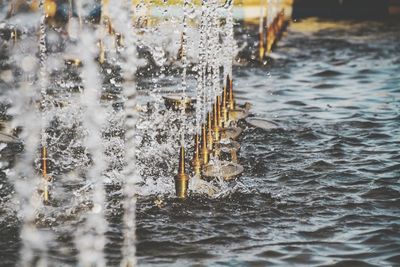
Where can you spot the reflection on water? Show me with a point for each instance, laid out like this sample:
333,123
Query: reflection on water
321,190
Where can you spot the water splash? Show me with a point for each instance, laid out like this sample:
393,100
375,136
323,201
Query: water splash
24,175
96,130
90,239
121,15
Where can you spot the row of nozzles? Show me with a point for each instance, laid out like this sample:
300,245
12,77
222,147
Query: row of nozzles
224,112
207,143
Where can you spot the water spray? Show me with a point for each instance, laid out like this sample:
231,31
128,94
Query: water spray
43,91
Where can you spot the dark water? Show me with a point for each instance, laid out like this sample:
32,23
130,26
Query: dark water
322,190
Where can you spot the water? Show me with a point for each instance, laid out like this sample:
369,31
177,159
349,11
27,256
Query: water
323,189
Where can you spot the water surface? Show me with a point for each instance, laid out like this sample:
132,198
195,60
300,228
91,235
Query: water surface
321,190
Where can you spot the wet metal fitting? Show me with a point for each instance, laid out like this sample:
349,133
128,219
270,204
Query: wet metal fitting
45,176
209,132
224,110
204,150
181,179
196,163
231,100
216,124
219,116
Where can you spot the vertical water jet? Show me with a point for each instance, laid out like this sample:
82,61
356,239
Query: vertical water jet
43,82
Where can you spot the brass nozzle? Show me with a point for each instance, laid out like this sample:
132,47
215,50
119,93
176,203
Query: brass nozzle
231,101
44,174
44,161
270,39
209,132
224,110
181,179
216,123
220,119
196,163
204,150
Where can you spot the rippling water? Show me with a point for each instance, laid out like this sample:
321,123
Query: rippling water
321,190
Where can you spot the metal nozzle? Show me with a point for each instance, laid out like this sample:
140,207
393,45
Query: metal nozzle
224,110
204,150
196,157
220,120
44,174
216,123
209,132
270,38
231,101
44,161
181,179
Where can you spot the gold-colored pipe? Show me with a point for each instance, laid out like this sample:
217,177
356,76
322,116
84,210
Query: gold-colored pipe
224,110
216,123
45,176
209,132
219,115
270,38
231,100
181,179
204,150
196,163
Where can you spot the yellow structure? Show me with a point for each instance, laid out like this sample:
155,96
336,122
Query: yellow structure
45,176
196,163
181,179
